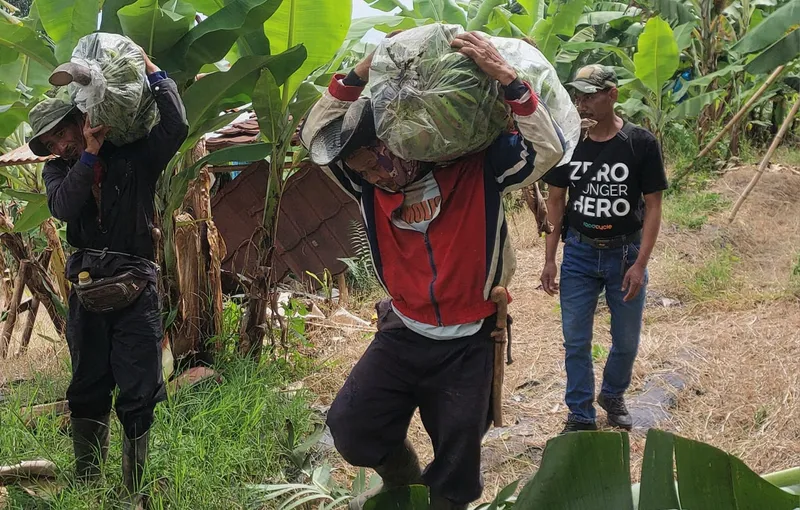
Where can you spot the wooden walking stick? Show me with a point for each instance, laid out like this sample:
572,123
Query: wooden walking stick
499,295
787,122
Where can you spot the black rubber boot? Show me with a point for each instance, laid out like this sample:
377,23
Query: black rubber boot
134,457
440,503
90,444
400,469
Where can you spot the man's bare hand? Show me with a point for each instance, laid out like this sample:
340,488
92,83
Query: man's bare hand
548,278
149,66
483,52
633,281
94,137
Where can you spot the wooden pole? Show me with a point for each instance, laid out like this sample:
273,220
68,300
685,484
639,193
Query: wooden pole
765,161
772,77
344,294
13,308
30,321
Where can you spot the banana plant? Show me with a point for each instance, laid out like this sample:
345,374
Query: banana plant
280,104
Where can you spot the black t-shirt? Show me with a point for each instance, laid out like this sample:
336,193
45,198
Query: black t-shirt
610,203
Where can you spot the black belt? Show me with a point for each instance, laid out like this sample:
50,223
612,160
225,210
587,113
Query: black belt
608,243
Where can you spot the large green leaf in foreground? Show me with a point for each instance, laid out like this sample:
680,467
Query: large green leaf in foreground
581,471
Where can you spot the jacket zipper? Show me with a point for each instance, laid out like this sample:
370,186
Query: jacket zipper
433,281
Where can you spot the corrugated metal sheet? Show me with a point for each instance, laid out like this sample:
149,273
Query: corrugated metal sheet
21,156
313,230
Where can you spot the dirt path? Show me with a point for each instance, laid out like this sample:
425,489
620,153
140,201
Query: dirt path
732,328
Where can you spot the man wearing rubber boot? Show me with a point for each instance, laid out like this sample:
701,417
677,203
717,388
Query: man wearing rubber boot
440,244
615,180
105,195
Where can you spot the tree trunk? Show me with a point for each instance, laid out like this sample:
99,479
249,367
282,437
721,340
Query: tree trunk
6,285
188,255
30,321
39,282
733,149
253,322
13,308
217,252
199,250
58,260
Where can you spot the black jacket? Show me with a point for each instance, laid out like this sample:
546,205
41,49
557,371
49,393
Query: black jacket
127,192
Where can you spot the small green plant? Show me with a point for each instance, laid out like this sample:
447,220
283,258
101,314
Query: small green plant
599,352
714,277
325,283
360,268
690,209
306,486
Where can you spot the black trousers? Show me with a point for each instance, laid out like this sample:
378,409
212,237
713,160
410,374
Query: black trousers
449,380
121,349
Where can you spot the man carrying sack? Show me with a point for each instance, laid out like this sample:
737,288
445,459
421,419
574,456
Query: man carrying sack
105,194
615,181
440,244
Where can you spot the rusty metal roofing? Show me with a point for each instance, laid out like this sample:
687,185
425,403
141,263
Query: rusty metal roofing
313,230
239,133
21,156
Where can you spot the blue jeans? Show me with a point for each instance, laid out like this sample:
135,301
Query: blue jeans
585,271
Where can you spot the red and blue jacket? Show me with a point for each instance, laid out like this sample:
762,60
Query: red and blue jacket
440,250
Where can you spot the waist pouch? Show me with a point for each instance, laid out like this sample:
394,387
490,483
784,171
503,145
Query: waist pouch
111,294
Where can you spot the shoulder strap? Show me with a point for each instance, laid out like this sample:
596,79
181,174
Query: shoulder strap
623,134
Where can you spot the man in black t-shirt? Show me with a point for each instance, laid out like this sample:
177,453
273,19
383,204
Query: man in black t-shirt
614,184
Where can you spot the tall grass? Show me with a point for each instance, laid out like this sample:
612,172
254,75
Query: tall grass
208,442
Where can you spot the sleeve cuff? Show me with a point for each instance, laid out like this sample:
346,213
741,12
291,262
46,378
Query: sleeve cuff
353,80
526,104
341,91
88,159
156,77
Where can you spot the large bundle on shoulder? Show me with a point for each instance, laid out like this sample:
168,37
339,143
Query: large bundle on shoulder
431,103
106,80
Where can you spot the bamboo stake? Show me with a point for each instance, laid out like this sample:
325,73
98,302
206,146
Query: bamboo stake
13,308
30,321
344,294
765,161
772,77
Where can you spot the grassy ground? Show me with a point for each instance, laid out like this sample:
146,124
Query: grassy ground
208,443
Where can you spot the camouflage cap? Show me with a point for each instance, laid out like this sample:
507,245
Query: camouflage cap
43,117
592,78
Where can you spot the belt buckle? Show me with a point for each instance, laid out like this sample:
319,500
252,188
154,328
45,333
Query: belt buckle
602,243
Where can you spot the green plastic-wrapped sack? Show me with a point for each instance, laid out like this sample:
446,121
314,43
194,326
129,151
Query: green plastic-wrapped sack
430,102
434,104
118,96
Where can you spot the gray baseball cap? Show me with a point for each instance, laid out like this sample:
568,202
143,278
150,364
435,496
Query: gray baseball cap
592,78
44,117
